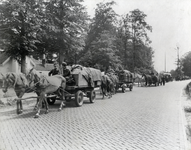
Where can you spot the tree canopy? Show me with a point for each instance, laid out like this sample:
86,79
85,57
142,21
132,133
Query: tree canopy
64,28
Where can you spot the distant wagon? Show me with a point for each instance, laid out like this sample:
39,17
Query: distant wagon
125,80
82,83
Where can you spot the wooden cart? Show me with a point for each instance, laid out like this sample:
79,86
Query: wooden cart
80,88
125,80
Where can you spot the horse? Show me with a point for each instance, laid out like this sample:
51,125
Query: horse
161,79
138,79
148,79
107,86
115,80
46,85
151,79
20,85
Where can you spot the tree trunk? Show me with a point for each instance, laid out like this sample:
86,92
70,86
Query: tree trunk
23,64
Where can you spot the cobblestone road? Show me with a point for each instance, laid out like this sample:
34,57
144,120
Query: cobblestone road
144,119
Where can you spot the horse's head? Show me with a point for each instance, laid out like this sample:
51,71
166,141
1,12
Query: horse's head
143,75
32,76
8,80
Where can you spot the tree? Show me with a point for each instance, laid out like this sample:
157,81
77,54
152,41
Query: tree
133,42
99,43
66,23
20,22
186,64
139,34
123,41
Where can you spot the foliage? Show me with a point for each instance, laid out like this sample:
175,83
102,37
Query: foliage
186,63
99,41
62,27
65,23
20,22
133,42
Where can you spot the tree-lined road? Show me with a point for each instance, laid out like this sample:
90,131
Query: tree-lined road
148,118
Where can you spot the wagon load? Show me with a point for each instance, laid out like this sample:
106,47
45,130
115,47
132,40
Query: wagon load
86,76
125,76
125,80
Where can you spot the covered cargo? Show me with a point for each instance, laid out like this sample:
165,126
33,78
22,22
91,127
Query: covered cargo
125,76
86,76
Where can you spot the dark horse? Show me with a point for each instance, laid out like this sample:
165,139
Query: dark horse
151,79
115,80
107,86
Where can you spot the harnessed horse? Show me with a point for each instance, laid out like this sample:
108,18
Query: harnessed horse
115,81
139,79
106,86
45,85
151,79
148,79
20,85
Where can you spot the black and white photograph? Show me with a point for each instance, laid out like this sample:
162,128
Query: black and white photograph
95,74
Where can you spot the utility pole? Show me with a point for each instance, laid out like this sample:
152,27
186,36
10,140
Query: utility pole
165,62
178,59
179,74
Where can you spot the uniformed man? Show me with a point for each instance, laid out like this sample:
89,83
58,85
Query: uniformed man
65,71
54,71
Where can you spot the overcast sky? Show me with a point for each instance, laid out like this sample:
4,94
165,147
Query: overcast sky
171,23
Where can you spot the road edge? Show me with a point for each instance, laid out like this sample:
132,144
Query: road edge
184,121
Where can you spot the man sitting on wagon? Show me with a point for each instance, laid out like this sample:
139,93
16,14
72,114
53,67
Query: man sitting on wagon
65,71
54,71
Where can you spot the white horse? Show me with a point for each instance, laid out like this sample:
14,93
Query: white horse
20,85
45,85
139,79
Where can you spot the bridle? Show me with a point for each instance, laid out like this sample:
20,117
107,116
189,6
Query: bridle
8,80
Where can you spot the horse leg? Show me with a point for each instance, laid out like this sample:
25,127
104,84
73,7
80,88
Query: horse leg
37,103
19,94
103,93
41,98
62,97
46,105
18,106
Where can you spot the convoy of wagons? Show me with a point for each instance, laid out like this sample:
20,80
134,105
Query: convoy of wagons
84,81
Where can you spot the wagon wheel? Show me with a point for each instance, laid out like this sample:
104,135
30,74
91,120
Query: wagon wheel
51,100
79,98
92,96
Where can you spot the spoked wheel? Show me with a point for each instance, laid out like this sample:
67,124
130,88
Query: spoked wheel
79,98
92,96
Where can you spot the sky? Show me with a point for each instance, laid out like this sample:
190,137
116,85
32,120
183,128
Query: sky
171,24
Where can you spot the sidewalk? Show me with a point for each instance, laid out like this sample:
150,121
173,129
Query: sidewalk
10,96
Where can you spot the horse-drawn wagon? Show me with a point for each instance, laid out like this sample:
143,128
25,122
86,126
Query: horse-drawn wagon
81,84
125,80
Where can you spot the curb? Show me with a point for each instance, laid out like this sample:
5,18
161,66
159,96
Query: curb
184,121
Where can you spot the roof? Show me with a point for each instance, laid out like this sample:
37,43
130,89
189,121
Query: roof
3,58
39,66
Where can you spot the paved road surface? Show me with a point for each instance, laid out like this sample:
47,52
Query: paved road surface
148,118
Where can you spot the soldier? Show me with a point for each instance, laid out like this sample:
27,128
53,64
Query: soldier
65,71
54,71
